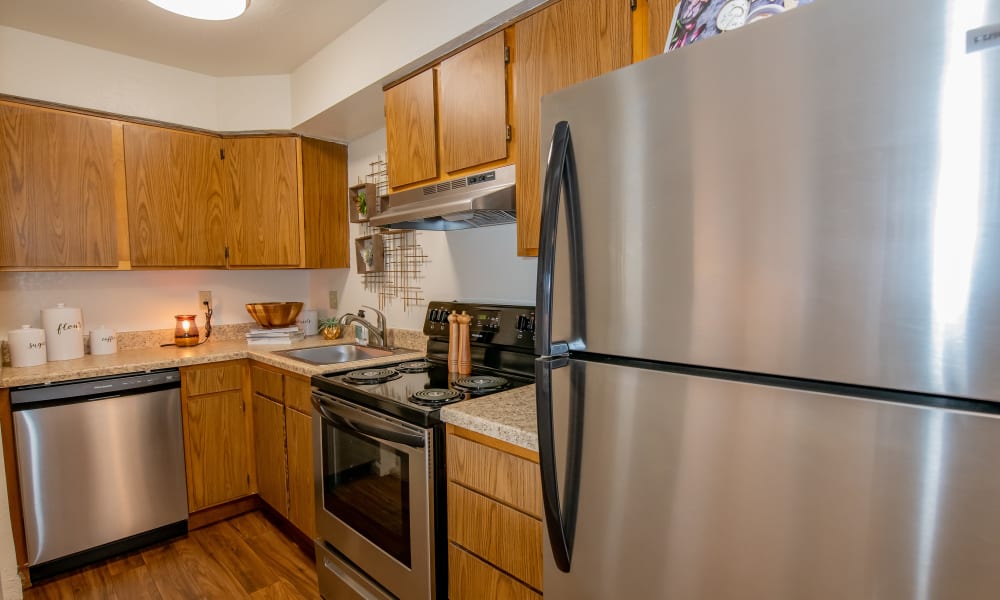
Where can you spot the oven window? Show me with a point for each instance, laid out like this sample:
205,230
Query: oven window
366,485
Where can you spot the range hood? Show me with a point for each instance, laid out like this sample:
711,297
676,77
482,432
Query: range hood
478,200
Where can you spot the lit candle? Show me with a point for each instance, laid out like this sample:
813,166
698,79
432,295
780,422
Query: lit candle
185,331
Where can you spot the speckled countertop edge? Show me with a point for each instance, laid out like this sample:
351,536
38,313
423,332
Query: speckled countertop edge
148,359
508,416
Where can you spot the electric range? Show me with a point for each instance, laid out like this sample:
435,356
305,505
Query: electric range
379,459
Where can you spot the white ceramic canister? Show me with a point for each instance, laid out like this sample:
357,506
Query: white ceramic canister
63,332
27,346
103,340
309,321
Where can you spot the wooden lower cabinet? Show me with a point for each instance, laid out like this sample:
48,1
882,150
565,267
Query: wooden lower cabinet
269,452
283,444
216,434
301,478
494,519
470,578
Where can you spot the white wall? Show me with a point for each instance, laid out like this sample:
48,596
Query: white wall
45,68
471,264
142,300
254,103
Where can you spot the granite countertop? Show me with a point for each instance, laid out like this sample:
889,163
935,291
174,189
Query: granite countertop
148,359
508,416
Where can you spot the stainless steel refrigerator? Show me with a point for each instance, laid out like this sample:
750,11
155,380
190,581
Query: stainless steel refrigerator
769,313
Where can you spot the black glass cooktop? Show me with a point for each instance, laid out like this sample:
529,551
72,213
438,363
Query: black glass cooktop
413,392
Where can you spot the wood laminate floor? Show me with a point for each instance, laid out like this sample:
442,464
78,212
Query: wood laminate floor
244,557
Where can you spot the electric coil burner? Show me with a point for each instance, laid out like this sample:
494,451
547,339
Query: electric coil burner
481,383
379,454
436,396
371,376
414,366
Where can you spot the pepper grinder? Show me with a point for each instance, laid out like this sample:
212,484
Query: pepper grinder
465,344
453,342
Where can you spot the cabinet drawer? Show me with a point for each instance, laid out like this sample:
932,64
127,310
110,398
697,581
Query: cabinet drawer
212,378
502,536
267,383
510,479
297,392
472,579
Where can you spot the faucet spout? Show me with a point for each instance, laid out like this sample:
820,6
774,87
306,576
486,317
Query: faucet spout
377,332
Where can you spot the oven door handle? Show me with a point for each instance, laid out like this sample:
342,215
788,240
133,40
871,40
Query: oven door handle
365,426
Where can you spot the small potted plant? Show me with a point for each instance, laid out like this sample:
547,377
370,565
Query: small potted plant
362,203
330,328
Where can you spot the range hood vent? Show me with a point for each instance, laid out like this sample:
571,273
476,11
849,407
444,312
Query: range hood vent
478,200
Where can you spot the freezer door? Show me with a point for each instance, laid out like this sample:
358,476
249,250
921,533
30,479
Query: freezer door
814,195
692,488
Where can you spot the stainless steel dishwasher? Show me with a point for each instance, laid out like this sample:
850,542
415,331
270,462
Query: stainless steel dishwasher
101,464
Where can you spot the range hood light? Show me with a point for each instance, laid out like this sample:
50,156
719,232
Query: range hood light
465,216
206,10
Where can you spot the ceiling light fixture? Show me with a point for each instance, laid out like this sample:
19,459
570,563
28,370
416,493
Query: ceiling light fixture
208,10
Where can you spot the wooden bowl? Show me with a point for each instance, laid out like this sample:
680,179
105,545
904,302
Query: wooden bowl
274,314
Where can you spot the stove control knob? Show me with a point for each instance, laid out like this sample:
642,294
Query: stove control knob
443,316
531,323
522,322
433,315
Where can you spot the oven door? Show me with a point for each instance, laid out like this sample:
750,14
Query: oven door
373,494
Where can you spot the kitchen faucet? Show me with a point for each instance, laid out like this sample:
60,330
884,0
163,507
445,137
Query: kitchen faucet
377,332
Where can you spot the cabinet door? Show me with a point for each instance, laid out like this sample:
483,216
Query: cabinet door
269,447
175,203
566,43
215,448
324,200
60,181
661,12
411,131
263,198
473,105
470,578
301,478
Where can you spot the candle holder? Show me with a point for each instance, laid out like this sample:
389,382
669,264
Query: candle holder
185,331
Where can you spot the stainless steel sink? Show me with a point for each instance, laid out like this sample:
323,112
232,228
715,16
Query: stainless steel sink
328,355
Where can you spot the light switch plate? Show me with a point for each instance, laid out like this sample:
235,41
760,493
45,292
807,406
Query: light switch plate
333,300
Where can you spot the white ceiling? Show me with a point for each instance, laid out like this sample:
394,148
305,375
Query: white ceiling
272,37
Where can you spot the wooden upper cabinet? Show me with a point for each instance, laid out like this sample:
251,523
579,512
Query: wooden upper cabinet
563,44
411,130
324,200
175,197
264,203
61,188
657,28
472,107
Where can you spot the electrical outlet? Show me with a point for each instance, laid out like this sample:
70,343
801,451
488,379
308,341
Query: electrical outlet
333,300
204,297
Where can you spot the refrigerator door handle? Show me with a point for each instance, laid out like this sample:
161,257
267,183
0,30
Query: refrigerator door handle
560,174
560,520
